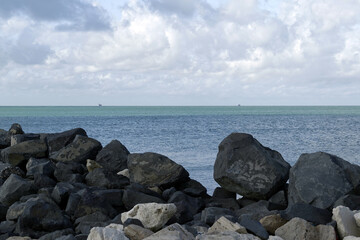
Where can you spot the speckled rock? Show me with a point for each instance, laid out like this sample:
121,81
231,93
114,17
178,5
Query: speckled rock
228,235
223,224
246,167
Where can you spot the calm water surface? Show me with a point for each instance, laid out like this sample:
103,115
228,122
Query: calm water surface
190,135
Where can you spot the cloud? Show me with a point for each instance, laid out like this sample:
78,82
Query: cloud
305,52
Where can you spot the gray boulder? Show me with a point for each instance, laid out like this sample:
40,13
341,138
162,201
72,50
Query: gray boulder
320,179
246,167
113,156
40,166
57,141
101,177
18,153
4,139
81,149
152,169
19,138
14,188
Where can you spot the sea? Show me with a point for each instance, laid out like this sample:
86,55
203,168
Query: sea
190,135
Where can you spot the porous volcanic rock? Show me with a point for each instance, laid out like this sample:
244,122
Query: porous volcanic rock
248,168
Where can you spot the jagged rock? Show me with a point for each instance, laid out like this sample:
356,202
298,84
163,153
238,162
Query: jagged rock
4,139
13,188
40,217
152,215
349,200
227,236
223,224
101,177
228,203
253,226
113,156
174,232
132,221
111,232
18,153
320,179
186,205
7,227
192,188
246,167
57,234
132,198
255,210
152,169
19,138
220,192
307,212
15,129
57,141
272,222
81,149
300,229
6,169
211,214
279,198
40,166
91,165
345,222
357,219
135,232
351,238
124,173
69,172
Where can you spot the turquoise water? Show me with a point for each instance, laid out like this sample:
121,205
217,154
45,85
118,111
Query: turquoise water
191,135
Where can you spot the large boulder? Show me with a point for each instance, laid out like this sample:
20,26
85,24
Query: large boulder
81,149
152,169
248,168
345,222
113,156
320,179
14,188
152,215
18,153
4,139
101,177
19,138
57,141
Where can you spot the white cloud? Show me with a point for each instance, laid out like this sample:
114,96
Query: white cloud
185,51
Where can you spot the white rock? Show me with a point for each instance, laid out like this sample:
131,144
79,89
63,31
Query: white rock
228,235
275,238
174,232
357,219
152,215
345,222
111,232
351,238
223,224
124,172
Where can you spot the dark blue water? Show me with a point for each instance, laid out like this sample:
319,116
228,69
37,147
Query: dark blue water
192,140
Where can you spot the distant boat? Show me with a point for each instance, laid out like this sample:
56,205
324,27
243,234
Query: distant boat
100,105
239,105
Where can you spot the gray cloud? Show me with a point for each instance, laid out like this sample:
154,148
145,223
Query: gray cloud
78,15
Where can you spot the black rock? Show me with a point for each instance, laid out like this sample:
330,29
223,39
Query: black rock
113,156
85,227
350,200
131,198
40,166
69,172
14,188
168,192
186,205
101,177
6,169
3,210
4,139
19,138
308,213
7,227
229,203
15,129
253,226
81,237
112,196
211,214
192,188
43,181
279,199
57,234
61,193
141,188
256,210
220,192
246,167
81,149
57,141
67,237
134,221
152,169
96,219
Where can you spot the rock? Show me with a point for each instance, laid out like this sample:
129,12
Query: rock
124,173
275,238
132,198
43,181
57,141
357,219
228,203
220,192
168,192
308,213
320,179
132,221
40,217
40,166
111,232
211,214
345,222
152,215
18,238
243,202
113,156
93,217
67,237
351,238
192,188
135,232
4,139
15,129
255,210
13,188
69,172
152,169
300,229
57,234
18,153
91,165
279,198
227,236
81,149
19,138
173,232
253,226
7,169
349,200
186,205
7,227
272,222
246,167
223,224
101,177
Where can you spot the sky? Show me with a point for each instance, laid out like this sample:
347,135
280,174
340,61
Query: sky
179,52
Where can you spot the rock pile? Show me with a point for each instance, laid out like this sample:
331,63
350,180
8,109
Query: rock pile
66,186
